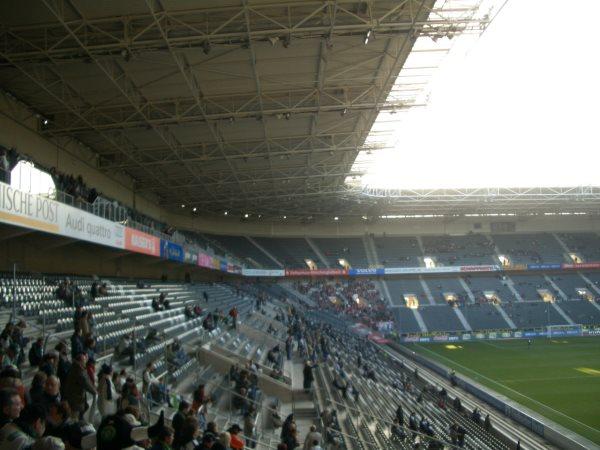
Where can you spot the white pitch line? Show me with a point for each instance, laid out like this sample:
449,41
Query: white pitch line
512,390
517,380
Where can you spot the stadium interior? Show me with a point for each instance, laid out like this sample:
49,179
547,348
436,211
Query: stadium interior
188,259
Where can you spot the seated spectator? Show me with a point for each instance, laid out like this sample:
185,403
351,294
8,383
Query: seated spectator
23,431
11,405
58,419
79,436
397,432
190,432
130,395
37,388
476,416
125,346
163,439
152,387
51,394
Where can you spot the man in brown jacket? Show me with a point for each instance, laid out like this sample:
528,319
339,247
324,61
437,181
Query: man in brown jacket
77,384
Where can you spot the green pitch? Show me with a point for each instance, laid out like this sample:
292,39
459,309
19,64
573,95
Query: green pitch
558,378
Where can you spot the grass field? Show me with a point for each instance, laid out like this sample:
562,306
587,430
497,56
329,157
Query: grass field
558,378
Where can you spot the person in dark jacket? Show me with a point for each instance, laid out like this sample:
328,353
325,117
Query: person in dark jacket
77,385
58,419
177,421
36,352
37,388
307,373
76,343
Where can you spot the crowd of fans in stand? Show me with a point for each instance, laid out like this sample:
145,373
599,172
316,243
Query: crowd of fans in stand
360,300
55,412
318,344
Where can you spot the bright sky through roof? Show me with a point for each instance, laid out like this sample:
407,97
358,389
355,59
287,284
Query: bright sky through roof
516,108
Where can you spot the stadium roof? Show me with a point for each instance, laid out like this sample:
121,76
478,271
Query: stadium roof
243,106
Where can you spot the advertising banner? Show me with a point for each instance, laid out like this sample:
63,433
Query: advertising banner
543,266
409,270
466,337
40,213
314,273
589,265
385,326
140,242
190,257
82,225
515,267
171,251
440,338
232,268
359,272
262,273
489,268
205,260
411,339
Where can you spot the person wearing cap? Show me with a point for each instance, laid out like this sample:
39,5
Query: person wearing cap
163,439
207,442
22,433
107,393
79,436
77,385
237,442
48,443
123,431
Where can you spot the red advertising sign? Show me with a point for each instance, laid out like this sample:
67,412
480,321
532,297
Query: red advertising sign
205,260
378,338
140,242
590,265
